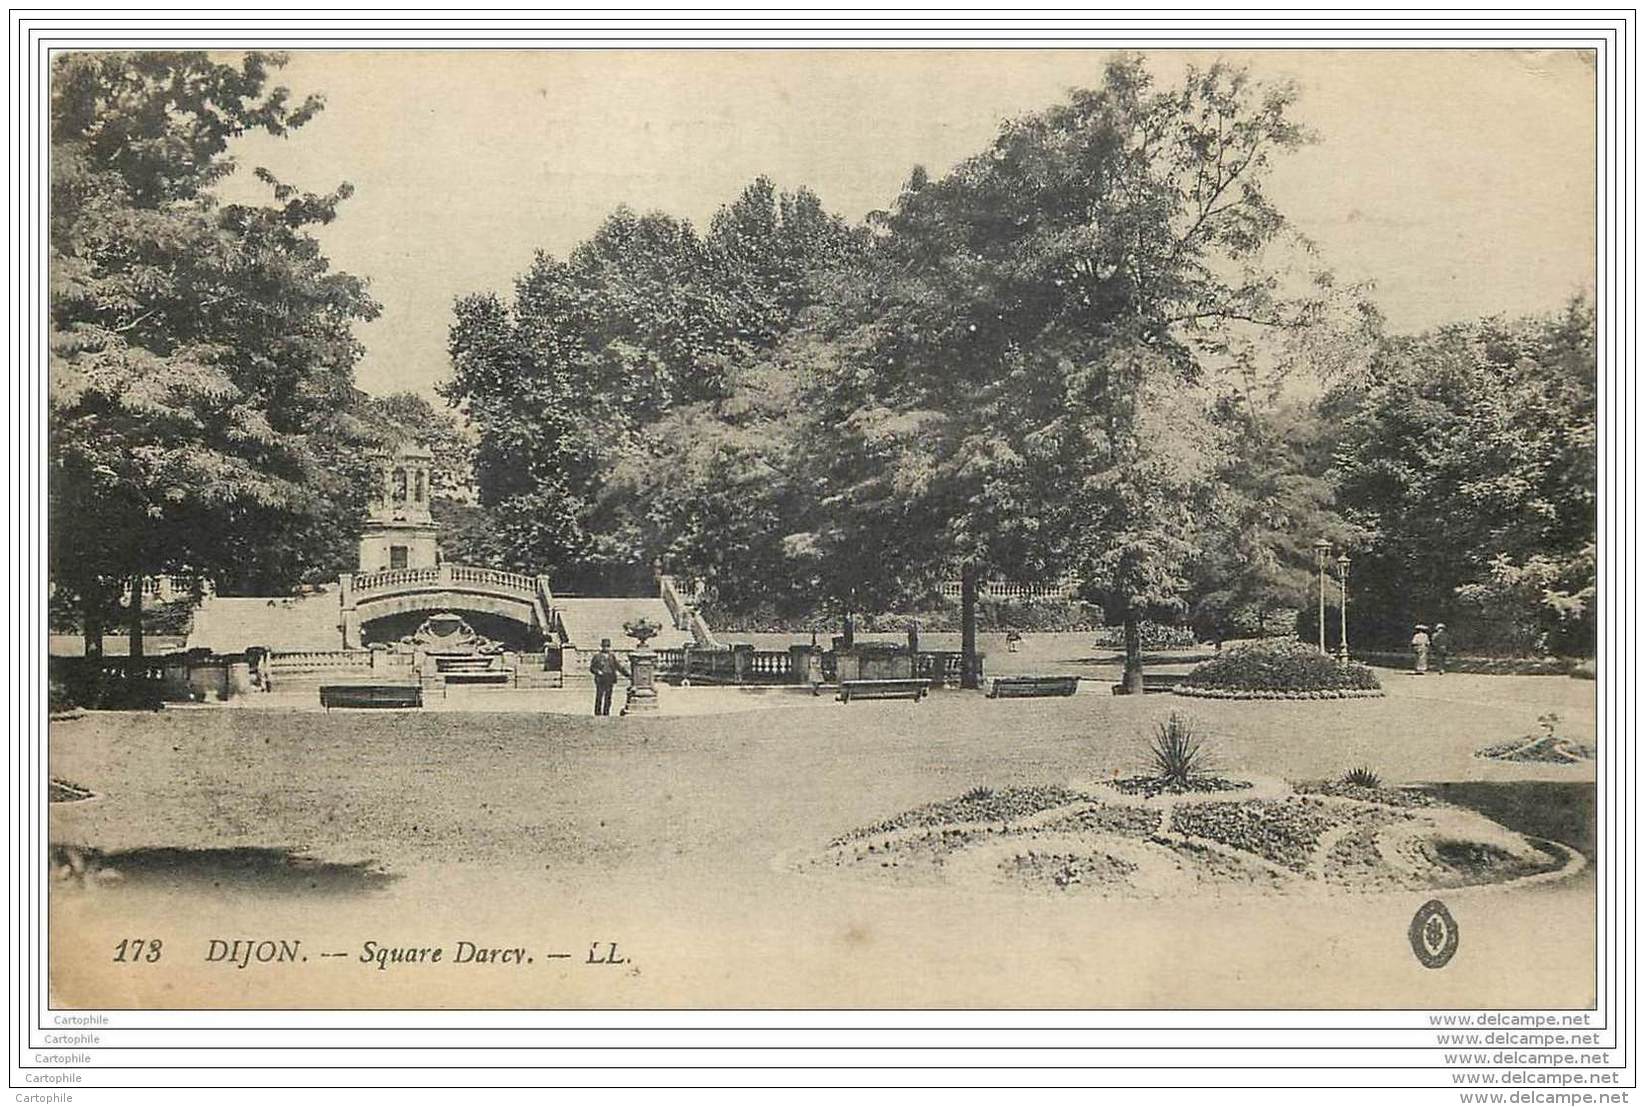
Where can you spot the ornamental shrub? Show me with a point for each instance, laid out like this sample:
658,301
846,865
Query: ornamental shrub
1279,666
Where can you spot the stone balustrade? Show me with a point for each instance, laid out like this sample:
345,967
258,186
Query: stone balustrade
441,576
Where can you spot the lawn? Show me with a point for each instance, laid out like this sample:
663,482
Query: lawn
688,835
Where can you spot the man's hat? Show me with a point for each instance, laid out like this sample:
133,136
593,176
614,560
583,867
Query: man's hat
1422,626
1439,626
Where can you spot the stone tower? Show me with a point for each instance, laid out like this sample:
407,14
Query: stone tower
399,531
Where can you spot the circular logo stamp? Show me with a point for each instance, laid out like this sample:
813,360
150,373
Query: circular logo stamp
1433,935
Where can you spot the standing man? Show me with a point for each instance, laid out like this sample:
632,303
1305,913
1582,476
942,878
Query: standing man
1439,646
605,666
1419,648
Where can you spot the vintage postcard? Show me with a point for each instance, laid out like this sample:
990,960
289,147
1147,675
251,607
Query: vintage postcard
823,529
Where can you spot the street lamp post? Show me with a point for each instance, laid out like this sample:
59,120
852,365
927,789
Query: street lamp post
1342,568
1322,553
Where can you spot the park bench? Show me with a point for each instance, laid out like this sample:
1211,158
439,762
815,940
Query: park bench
1024,686
884,690
1153,682
370,695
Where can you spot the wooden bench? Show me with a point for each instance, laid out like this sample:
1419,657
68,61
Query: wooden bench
1153,682
370,695
884,690
1023,686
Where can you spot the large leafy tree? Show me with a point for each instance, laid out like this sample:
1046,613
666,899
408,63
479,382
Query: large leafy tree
715,493
1275,499
1023,375
1468,454
592,374
194,346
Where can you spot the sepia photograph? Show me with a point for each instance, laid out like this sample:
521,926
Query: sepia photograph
823,529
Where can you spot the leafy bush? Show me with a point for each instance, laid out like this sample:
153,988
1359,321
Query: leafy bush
1155,636
1279,666
993,616
59,696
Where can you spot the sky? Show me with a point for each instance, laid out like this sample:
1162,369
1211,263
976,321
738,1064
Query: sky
1460,182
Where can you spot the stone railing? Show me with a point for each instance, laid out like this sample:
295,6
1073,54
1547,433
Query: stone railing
701,632
442,576
739,664
1022,593
769,667
393,580
305,660
942,667
679,603
493,578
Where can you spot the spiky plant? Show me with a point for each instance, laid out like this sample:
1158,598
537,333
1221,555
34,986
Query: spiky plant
1178,754
1363,777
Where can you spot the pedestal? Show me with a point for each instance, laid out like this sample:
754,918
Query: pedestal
236,677
806,663
642,682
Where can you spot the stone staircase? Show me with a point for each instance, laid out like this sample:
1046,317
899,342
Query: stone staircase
583,621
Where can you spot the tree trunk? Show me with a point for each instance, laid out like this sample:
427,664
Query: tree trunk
136,615
91,628
969,675
1133,654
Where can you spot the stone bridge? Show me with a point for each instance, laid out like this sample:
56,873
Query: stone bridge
519,598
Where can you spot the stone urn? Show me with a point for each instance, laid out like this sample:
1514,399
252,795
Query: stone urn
642,668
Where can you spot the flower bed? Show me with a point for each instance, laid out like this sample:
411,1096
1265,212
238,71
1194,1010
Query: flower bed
1387,797
1286,670
1492,666
1548,749
1336,834
1272,694
1127,821
1285,832
980,805
1150,786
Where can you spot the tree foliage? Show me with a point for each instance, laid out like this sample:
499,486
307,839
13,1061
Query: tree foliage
1023,377
1275,499
595,369
1074,353
194,346
1468,455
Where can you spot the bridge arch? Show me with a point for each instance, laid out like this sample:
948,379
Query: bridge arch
396,594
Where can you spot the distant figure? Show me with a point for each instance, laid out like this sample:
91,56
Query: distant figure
1419,646
1013,640
605,666
1440,647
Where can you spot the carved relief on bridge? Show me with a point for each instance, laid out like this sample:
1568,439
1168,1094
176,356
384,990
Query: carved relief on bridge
447,633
